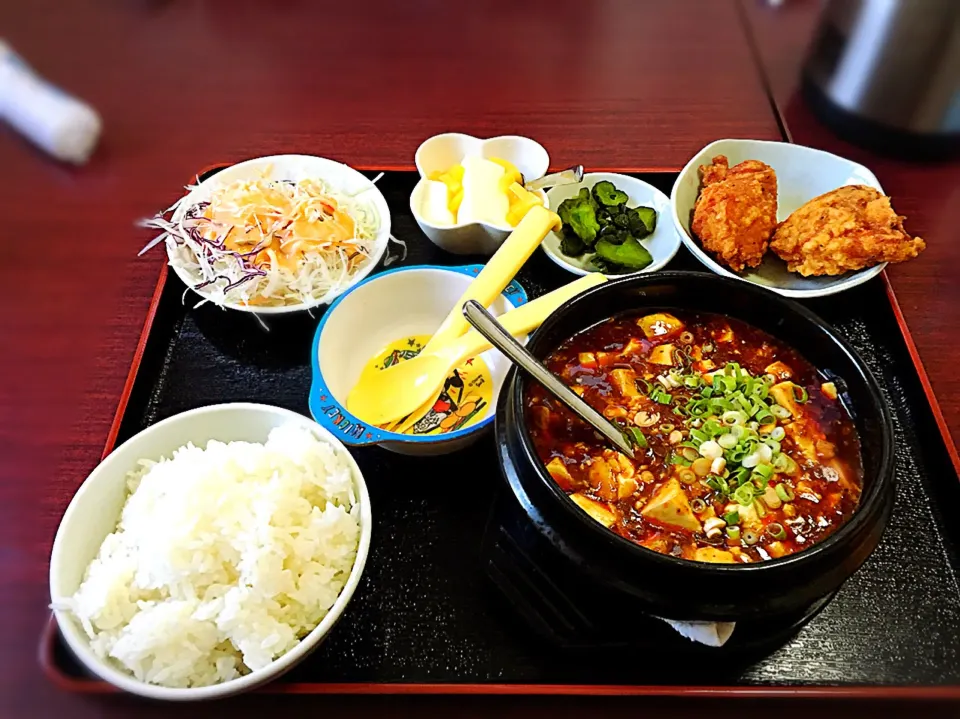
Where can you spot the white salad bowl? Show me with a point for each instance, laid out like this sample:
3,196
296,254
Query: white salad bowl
94,511
662,243
802,174
442,152
338,176
387,307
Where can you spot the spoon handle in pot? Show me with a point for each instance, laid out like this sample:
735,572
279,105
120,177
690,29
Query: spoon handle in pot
486,325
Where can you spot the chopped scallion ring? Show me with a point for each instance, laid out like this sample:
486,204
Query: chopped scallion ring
638,437
744,495
784,492
776,530
765,471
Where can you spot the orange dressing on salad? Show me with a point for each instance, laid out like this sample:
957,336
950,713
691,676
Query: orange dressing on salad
305,223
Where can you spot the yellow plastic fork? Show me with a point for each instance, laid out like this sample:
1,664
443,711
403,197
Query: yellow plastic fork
409,389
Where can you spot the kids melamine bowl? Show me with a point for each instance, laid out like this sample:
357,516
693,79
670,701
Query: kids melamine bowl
387,307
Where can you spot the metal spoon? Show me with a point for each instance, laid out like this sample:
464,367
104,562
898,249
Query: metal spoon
564,177
486,325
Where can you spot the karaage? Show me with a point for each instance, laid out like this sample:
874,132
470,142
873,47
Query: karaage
736,212
846,229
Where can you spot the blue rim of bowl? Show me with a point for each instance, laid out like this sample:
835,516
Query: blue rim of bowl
349,429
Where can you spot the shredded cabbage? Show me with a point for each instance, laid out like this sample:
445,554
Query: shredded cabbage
269,242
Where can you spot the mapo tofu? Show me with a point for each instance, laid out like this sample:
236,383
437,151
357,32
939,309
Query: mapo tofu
743,451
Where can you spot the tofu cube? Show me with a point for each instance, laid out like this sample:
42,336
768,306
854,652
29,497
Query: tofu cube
779,370
625,382
782,392
659,324
627,486
662,354
602,480
724,334
670,507
712,554
598,511
561,475
633,348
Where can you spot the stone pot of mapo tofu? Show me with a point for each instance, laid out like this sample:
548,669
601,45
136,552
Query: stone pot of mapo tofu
763,468
743,452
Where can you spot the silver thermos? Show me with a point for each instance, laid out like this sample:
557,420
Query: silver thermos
886,74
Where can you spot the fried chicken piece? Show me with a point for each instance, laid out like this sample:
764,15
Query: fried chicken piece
736,212
846,229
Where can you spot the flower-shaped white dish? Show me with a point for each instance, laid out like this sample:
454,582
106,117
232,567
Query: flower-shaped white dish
338,177
802,174
442,152
662,243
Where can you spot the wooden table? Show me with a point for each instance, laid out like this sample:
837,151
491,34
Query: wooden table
612,84
928,194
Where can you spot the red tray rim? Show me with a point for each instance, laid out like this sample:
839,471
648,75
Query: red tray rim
93,686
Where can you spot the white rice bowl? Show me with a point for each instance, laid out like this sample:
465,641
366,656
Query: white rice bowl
224,558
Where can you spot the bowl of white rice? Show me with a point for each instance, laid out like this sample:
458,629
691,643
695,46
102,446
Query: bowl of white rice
211,552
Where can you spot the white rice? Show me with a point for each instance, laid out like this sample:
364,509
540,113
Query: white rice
223,559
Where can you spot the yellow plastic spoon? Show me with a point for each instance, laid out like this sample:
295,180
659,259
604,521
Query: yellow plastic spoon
392,394
498,271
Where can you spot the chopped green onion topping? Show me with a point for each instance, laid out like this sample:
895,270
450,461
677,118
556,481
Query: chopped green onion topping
732,518
780,412
727,441
637,436
661,397
763,470
744,495
776,530
784,492
733,533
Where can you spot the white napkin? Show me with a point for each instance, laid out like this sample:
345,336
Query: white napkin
63,126
713,634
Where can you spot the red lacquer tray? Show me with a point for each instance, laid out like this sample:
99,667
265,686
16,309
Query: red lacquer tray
430,615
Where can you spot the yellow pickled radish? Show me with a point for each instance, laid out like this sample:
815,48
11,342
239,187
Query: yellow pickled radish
453,179
455,199
510,173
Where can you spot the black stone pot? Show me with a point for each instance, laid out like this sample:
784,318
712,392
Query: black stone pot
678,588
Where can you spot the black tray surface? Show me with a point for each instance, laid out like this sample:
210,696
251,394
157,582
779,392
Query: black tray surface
426,610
